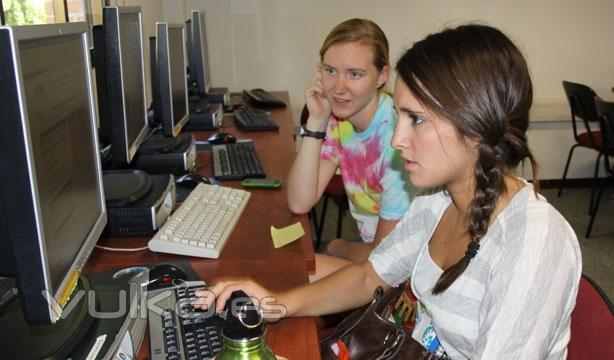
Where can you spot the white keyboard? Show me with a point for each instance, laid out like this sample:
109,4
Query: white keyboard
202,224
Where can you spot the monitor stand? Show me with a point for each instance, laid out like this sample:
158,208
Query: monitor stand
137,203
18,338
81,330
166,155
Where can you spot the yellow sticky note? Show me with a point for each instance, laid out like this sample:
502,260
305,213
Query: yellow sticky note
286,235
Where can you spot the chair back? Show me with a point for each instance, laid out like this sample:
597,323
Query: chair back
605,113
582,105
592,323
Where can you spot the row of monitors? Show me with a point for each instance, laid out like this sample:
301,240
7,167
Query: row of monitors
52,205
118,58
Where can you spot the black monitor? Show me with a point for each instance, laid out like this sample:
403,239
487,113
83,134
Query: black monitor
200,68
170,82
120,79
52,208
190,55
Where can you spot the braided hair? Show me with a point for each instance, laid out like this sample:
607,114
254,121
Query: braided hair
474,76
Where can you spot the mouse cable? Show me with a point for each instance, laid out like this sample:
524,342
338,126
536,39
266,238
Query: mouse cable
122,249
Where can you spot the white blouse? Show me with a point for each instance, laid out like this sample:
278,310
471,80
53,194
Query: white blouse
515,298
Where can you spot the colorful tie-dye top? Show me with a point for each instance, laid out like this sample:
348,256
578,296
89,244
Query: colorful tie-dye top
372,171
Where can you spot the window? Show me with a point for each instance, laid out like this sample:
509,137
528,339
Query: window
28,12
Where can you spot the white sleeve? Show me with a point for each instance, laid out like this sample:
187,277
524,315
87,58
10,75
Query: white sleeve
531,291
394,259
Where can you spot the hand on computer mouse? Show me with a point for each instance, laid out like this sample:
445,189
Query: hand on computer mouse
219,294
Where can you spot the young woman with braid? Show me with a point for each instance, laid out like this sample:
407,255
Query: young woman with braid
495,268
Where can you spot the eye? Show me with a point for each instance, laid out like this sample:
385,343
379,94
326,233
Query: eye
330,71
415,119
355,75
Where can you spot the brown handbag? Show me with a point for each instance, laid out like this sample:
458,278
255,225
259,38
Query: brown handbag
367,334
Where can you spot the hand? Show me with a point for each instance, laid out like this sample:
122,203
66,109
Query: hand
317,104
262,298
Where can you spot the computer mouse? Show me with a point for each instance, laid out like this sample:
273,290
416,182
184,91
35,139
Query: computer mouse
162,275
222,138
191,180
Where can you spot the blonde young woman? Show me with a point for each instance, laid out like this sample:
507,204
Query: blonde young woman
349,129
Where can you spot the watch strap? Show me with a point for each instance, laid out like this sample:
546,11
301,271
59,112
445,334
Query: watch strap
314,134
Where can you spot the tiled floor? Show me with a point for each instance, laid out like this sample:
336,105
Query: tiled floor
597,251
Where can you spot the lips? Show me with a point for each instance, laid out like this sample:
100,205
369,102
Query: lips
340,101
409,165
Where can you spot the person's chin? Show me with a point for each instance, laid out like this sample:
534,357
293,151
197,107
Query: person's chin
343,113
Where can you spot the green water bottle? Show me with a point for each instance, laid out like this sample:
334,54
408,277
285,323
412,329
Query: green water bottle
243,331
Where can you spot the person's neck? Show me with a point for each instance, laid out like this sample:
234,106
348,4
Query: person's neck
363,119
463,193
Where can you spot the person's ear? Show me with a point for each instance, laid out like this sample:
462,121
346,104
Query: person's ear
383,75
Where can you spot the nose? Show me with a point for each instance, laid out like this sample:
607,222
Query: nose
400,137
339,84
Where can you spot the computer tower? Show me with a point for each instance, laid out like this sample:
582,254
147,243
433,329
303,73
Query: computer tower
137,203
204,116
219,95
162,155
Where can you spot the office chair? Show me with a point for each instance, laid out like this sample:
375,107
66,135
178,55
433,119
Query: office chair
335,191
592,323
605,112
582,105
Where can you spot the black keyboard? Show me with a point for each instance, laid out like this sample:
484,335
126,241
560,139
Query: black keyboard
250,119
236,161
261,97
176,331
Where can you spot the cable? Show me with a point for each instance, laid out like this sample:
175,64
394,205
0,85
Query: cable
7,298
122,249
152,132
198,167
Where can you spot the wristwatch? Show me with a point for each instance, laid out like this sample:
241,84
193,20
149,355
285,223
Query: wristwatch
314,134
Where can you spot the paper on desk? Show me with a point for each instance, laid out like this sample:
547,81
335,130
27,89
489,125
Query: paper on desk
286,235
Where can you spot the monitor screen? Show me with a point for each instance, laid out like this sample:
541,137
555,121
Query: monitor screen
171,79
120,76
200,48
52,196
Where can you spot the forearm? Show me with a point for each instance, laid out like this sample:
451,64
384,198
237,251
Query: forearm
304,175
355,252
345,289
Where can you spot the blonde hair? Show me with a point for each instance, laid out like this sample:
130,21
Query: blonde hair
361,31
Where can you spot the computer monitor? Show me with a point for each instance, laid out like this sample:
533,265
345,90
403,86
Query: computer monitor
52,208
193,83
172,91
201,71
120,79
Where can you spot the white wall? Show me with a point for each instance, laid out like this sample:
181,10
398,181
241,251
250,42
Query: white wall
274,44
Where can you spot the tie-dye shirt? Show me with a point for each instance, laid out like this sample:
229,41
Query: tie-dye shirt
372,171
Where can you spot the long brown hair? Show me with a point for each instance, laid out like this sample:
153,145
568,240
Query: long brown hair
477,78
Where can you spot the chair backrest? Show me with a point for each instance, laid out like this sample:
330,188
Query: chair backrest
605,113
592,323
582,105
581,100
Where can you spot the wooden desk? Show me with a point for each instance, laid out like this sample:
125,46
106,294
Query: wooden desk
249,251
